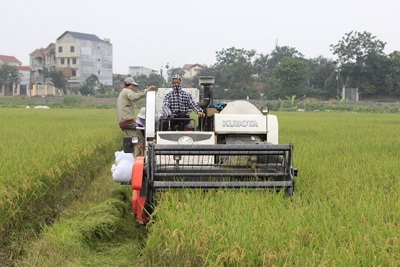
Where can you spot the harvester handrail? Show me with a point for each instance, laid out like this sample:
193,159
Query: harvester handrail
219,174
222,149
221,184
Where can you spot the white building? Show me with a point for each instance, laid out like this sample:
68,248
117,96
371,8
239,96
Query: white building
79,55
136,71
25,84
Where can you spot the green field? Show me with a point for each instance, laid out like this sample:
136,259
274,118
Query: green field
345,211
48,156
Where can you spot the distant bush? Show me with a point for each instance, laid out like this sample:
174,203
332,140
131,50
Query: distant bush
311,104
72,100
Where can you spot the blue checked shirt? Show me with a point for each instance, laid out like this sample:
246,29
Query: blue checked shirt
179,101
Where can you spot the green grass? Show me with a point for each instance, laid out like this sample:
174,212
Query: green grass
48,157
345,210
96,230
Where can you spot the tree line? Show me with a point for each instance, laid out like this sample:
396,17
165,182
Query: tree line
361,63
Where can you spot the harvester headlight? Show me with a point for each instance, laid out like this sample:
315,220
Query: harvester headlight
185,140
264,110
177,157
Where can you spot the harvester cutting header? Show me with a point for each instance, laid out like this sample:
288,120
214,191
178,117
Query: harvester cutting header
235,145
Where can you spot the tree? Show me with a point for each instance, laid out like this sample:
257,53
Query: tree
58,79
355,47
206,71
261,65
172,71
322,75
357,54
376,69
88,87
153,79
393,78
9,76
290,77
235,68
281,52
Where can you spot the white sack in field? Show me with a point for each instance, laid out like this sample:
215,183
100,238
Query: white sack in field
122,173
113,167
120,155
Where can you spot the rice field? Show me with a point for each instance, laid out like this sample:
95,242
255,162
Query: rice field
345,211
47,158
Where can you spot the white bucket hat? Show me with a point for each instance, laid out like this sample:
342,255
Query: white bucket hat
142,113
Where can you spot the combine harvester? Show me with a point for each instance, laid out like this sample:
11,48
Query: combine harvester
232,147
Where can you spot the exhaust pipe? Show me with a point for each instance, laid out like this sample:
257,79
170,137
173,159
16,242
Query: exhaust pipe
206,82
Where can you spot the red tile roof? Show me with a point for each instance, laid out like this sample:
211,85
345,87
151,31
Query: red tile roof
38,52
23,68
189,66
9,59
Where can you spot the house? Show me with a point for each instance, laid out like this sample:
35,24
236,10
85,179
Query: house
42,60
10,60
191,70
136,71
21,87
79,55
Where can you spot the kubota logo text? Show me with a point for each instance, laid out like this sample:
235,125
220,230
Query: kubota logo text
239,123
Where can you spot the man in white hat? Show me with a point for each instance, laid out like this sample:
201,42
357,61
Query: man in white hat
125,111
141,119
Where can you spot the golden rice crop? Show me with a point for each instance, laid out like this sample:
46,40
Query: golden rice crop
345,211
47,149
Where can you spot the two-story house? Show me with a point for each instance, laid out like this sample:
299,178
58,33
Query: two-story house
191,70
40,61
79,55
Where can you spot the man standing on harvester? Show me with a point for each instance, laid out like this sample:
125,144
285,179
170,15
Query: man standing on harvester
178,104
125,112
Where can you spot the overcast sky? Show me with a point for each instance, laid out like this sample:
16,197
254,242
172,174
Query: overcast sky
154,33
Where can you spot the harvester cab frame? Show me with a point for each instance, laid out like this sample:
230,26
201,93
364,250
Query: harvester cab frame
234,147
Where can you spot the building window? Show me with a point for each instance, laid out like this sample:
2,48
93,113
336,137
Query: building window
98,59
60,49
73,73
98,72
72,49
74,61
62,61
68,61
